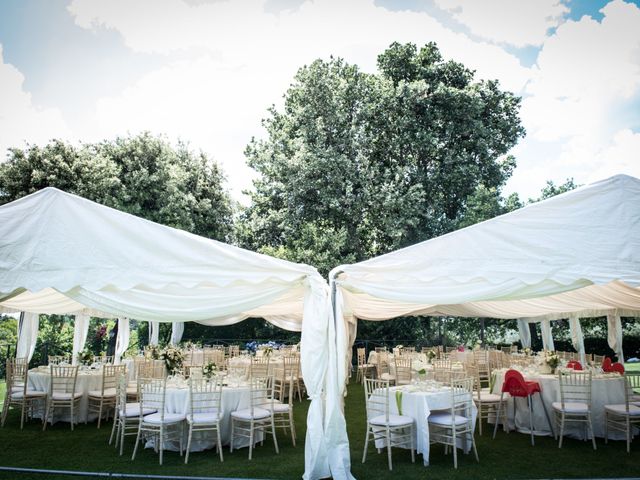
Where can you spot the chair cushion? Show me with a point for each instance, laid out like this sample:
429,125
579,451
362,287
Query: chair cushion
571,407
30,393
133,410
487,397
387,376
280,407
245,414
445,419
205,418
634,410
65,396
394,420
132,390
108,392
156,418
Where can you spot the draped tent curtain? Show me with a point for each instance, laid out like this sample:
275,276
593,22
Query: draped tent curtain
27,335
122,340
614,335
547,335
80,331
577,339
154,333
525,333
177,329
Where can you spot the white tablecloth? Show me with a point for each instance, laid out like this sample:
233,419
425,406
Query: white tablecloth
233,398
604,391
39,379
418,405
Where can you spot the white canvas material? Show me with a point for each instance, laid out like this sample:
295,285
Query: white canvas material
80,331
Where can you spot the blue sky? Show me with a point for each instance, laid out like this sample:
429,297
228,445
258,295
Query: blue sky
205,71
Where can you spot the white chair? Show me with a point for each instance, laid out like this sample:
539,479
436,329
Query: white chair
447,427
488,404
105,398
127,415
363,366
283,412
383,370
258,418
403,370
575,402
164,426
17,392
204,409
393,430
623,417
259,367
62,392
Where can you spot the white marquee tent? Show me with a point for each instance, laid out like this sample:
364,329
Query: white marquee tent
573,255
60,253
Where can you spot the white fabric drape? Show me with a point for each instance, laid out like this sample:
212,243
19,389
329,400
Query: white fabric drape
614,335
27,335
547,336
80,331
122,340
525,333
577,339
154,333
177,329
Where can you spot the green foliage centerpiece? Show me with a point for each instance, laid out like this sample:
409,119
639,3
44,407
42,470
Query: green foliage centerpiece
85,357
209,370
173,359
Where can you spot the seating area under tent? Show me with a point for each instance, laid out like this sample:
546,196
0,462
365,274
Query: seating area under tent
569,257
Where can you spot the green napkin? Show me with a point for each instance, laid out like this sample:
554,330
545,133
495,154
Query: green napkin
399,401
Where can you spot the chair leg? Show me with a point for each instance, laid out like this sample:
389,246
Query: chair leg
530,419
366,445
135,448
231,442
251,429
590,425
122,428
389,449
293,430
46,415
273,433
219,442
113,429
495,428
561,429
186,455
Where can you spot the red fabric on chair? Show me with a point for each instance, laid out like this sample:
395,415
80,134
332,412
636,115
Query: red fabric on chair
617,367
606,364
516,386
575,365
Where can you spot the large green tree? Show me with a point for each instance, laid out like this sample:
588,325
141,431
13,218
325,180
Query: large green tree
143,175
359,164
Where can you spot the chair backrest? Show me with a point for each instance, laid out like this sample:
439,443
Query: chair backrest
205,395
110,375
380,349
16,377
57,359
461,397
633,380
259,366
261,393
153,395
514,384
403,370
575,386
159,369
376,397
234,351
63,379
362,356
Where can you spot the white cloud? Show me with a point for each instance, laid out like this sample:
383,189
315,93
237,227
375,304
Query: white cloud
20,120
241,59
515,22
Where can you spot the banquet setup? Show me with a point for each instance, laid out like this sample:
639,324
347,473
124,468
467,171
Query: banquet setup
567,258
176,399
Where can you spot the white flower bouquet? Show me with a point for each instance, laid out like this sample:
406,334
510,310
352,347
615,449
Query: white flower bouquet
173,359
209,370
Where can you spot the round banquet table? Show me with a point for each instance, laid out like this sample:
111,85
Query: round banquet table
40,378
233,398
418,401
606,389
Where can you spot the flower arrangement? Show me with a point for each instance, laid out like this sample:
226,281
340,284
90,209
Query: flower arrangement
209,370
269,347
527,351
399,347
431,354
552,360
153,352
267,351
85,357
173,359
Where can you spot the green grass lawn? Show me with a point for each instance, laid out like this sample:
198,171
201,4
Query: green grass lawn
509,456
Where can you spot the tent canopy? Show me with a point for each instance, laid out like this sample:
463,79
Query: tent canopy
61,253
574,254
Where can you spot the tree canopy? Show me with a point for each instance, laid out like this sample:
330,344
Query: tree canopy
359,164
142,175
